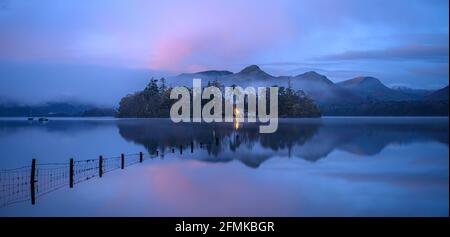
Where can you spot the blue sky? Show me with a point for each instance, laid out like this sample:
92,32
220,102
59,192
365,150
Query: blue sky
402,42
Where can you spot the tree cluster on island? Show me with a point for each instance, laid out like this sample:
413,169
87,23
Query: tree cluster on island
154,101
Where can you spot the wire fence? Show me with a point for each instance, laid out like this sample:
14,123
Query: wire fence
30,182
19,185
15,185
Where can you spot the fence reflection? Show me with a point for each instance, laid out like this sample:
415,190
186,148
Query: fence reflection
31,182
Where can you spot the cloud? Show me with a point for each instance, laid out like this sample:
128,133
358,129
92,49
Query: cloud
438,71
177,36
172,35
408,52
216,33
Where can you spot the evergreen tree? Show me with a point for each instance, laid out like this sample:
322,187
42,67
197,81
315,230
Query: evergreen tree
162,85
154,101
152,87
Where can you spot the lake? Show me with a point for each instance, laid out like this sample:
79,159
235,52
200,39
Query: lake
332,166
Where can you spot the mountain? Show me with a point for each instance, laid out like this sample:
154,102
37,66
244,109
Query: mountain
372,89
254,72
314,77
211,73
317,86
185,79
439,95
321,89
419,93
249,76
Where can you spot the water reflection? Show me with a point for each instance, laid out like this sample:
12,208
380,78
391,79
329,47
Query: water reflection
236,124
404,170
308,139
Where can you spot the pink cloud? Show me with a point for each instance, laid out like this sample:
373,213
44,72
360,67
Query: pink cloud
216,34
181,188
170,53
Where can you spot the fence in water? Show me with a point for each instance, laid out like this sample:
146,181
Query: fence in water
31,182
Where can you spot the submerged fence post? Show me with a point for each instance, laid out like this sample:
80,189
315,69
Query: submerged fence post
122,158
100,166
217,141
71,173
141,157
181,149
157,153
33,181
192,147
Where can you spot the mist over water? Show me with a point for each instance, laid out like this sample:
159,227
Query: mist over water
37,83
309,167
62,62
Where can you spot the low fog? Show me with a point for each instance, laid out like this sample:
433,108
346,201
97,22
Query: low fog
39,83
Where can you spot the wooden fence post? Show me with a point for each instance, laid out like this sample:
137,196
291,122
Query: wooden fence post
33,181
181,149
192,147
122,158
100,166
71,173
141,157
217,141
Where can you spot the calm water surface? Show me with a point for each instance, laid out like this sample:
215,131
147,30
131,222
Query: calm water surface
309,167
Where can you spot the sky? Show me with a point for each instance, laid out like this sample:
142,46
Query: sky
72,48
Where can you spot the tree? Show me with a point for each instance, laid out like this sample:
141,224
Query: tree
162,85
215,83
154,101
152,87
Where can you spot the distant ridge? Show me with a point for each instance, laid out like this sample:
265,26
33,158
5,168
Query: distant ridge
214,73
439,95
363,81
253,71
319,87
371,88
54,109
314,76
322,89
